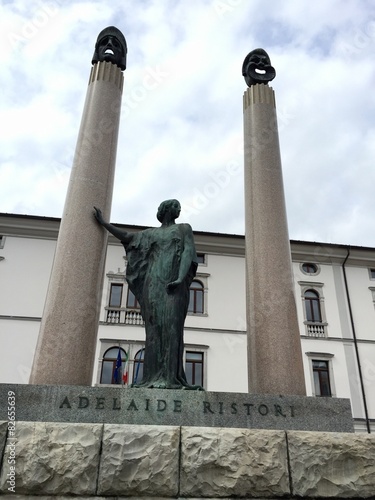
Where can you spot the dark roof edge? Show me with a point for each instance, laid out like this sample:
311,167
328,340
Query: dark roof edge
202,233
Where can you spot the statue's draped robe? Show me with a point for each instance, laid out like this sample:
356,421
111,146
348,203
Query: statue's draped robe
154,259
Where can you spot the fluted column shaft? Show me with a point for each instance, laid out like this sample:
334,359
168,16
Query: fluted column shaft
67,339
274,347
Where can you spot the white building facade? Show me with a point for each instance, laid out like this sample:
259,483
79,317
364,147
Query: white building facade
335,297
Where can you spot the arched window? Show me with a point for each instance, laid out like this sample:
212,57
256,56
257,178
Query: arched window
312,305
138,366
111,367
196,297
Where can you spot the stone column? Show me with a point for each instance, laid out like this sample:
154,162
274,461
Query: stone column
67,339
274,346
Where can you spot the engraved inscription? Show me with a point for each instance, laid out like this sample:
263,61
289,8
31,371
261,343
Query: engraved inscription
176,406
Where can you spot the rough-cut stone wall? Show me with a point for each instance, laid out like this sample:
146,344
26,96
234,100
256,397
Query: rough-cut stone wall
103,460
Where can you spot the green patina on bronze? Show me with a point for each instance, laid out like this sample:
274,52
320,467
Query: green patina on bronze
162,263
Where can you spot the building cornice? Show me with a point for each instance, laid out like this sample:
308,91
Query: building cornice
29,226
33,226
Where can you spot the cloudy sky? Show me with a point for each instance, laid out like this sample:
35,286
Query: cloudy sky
182,137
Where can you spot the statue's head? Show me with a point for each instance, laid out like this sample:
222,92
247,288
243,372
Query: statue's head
172,206
111,47
257,68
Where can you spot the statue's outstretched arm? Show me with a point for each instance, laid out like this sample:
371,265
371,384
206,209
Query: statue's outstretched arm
117,233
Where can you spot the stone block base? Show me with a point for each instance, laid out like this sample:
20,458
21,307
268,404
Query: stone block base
61,460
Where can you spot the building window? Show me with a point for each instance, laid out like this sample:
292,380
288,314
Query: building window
321,374
372,290
313,309
112,368
138,366
115,295
2,241
132,302
309,268
312,306
196,304
201,258
322,385
371,273
194,368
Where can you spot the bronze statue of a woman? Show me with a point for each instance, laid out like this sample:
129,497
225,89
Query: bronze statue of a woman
162,263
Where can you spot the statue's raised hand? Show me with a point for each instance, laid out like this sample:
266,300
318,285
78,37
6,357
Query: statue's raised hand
118,233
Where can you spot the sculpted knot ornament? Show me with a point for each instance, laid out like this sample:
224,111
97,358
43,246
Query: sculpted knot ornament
257,68
111,47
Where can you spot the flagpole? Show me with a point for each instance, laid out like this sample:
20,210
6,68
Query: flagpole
124,378
118,365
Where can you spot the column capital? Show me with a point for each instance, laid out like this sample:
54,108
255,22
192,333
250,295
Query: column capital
108,72
259,94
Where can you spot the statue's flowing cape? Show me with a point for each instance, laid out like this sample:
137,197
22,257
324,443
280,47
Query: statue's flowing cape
154,258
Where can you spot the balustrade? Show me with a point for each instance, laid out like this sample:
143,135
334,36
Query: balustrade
127,317
316,330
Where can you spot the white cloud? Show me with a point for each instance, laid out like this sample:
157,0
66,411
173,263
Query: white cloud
181,122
